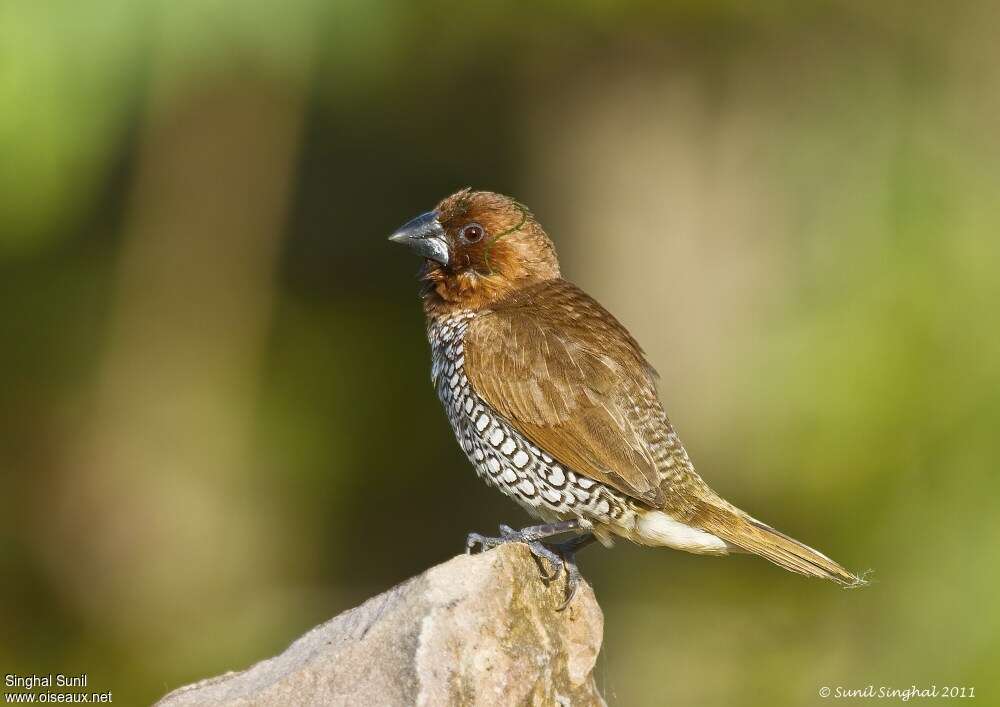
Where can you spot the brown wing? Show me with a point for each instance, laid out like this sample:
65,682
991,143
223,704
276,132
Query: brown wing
570,378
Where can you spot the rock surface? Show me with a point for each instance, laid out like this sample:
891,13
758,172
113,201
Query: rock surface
476,630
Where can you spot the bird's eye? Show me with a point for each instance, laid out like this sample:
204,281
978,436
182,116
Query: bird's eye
472,233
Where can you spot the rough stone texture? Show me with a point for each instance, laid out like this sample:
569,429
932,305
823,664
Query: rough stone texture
476,630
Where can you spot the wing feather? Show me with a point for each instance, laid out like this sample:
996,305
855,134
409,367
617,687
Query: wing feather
571,379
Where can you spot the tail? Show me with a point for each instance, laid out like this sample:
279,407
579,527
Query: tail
750,535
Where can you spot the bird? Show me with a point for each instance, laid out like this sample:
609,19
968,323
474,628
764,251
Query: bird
555,404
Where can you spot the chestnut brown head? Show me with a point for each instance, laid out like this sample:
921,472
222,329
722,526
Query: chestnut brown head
479,246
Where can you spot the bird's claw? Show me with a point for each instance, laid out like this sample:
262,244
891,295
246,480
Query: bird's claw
541,551
567,556
483,541
572,583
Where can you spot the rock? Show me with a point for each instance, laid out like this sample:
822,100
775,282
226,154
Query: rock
476,630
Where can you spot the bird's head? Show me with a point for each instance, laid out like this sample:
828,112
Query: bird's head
478,247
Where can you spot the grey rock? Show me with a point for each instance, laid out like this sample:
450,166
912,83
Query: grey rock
476,630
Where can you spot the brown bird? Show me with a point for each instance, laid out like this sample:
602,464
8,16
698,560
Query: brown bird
555,403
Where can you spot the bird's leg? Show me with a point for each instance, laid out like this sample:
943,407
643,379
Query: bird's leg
530,535
560,555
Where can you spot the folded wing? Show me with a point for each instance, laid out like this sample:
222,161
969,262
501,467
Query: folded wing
571,379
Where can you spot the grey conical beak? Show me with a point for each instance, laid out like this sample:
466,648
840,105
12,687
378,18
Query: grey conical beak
424,236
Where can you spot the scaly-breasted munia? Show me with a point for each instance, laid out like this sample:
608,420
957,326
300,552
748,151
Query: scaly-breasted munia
555,404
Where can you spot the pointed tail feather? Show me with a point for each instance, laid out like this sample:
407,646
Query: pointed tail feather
749,534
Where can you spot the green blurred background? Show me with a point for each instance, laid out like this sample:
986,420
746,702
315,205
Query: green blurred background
217,427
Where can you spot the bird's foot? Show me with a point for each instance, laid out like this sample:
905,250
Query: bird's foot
560,556
509,535
567,555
